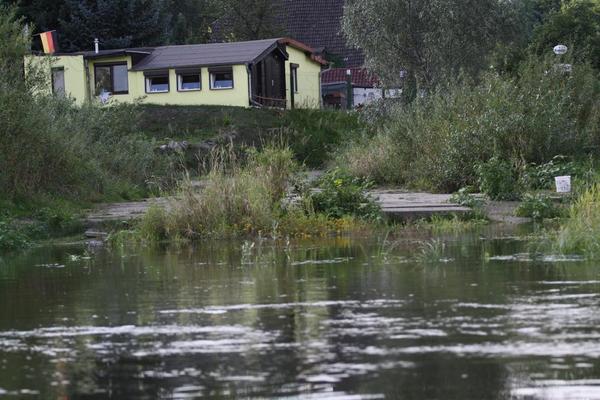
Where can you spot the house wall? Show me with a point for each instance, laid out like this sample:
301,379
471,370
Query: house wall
309,76
238,96
74,67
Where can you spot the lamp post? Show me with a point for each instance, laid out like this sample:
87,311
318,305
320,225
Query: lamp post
349,91
561,50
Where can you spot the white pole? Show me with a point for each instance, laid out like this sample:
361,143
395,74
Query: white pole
96,45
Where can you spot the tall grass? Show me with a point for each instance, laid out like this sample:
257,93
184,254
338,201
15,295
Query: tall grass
438,142
239,197
580,234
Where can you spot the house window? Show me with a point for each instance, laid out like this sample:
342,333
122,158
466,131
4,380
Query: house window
295,78
111,78
221,78
188,81
157,82
58,81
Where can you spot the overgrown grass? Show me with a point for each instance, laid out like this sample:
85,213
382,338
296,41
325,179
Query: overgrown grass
439,142
580,233
312,134
243,198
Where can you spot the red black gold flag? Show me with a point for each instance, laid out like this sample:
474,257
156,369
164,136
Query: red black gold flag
49,42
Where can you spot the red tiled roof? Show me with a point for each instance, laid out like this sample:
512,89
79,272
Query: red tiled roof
360,77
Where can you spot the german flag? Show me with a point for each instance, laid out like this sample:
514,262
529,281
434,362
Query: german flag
49,42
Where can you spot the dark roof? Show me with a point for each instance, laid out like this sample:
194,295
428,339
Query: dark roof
206,54
111,52
360,77
318,24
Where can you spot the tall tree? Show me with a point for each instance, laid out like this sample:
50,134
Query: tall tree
116,23
250,19
431,39
576,24
192,20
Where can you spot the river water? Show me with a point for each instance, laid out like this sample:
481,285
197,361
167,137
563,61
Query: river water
349,318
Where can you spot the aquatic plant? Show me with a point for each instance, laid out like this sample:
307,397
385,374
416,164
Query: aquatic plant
580,233
431,251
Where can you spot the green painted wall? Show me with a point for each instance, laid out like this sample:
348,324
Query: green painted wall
76,83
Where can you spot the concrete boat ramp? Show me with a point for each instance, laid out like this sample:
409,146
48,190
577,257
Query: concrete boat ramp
396,205
407,206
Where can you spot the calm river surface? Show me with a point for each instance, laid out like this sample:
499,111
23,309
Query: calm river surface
330,319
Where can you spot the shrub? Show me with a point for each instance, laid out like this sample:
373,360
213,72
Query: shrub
537,207
439,140
498,179
11,236
339,194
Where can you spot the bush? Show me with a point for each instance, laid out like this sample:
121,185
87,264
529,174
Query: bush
438,140
498,179
11,236
339,194
537,207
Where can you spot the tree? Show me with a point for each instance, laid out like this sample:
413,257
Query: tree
431,39
576,24
192,20
250,19
117,23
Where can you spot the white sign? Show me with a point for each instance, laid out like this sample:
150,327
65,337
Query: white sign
563,184
560,49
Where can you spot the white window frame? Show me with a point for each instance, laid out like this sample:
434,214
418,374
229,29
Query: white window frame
217,71
180,82
148,80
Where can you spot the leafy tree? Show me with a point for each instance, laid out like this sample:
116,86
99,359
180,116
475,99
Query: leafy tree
431,39
250,19
117,23
576,24
192,20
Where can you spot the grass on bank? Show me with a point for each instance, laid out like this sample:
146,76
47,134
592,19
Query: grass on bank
312,134
250,197
580,233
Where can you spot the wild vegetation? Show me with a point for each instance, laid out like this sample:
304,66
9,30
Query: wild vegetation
252,197
484,134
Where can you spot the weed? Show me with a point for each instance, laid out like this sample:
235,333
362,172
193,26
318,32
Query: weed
339,194
538,207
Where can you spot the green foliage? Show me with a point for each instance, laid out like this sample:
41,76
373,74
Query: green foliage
580,233
542,176
433,40
312,134
11,236
437,142
466,199
576,24
251,19
50,146
116,23
538,207
339,194
498,179
317,133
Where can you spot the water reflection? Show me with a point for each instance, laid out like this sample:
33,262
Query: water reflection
345,318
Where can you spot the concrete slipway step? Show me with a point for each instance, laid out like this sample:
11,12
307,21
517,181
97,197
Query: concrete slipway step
395,205
403,206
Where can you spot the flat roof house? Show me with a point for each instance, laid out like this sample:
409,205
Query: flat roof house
278,72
